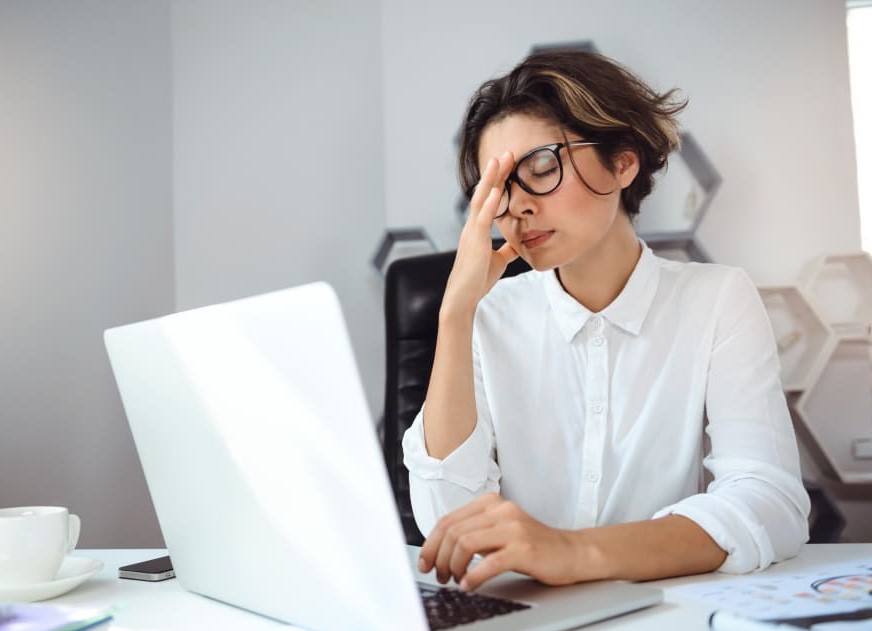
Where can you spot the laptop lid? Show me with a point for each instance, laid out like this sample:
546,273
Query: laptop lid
262,460
269,484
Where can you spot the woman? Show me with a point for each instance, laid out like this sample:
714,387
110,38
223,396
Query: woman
562,433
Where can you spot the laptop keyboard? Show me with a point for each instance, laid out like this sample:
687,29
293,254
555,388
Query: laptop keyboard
447,608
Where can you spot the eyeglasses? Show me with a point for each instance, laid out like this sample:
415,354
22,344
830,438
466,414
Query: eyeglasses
539,171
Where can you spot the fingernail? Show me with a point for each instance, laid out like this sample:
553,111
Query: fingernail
422,565
464,585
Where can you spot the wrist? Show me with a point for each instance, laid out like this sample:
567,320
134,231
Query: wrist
455,315
590,559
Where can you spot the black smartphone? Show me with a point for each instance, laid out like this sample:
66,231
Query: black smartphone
152,570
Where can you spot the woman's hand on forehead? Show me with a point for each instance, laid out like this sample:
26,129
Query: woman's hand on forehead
492,181
477,266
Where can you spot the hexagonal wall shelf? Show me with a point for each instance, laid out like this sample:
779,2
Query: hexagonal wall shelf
804,340
837,409
840,286
401,243
586,44
682,194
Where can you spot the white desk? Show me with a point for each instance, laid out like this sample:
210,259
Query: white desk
165,606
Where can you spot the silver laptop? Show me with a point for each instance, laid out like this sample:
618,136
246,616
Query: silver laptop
264,468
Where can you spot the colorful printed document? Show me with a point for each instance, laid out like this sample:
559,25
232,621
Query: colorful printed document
821,591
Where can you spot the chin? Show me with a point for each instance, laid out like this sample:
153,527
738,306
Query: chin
539,263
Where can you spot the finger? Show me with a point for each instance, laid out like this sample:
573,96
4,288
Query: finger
430,549
494,177
462,542
427,555
476,506
443,556
449,561
507,253
484,218
492,565
475,536
506,164
484,186
480,220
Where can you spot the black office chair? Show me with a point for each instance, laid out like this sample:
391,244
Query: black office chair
413,295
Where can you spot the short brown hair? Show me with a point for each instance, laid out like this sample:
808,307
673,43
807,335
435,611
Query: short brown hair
589,95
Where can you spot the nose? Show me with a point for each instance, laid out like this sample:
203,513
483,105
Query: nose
521,203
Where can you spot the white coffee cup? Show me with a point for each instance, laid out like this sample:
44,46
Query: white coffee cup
33,543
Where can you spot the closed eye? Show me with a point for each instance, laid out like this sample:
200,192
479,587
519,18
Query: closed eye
545,173
539,164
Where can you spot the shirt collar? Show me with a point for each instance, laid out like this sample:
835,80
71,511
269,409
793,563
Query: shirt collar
627,311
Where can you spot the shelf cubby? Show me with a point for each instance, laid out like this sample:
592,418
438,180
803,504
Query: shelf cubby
801,335
837,409
399,243
840,286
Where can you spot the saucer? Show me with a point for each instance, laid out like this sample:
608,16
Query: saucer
74,571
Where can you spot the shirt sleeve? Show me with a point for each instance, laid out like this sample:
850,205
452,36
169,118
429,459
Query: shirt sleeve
756,507
437,487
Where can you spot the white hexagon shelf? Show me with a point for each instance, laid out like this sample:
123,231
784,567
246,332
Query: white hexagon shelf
804,340
837,409
840,286
681,195
399,243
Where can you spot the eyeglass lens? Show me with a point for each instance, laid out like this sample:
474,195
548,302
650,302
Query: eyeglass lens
539,172
542,171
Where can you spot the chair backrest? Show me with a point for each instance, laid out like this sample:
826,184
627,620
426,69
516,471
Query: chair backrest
413,295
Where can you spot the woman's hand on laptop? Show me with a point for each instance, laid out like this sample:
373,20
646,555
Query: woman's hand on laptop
508,539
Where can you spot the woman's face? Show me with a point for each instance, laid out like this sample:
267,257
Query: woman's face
554,229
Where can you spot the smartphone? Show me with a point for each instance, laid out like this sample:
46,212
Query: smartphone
152,570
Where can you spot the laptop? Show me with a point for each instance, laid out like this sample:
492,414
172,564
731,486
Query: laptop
262,461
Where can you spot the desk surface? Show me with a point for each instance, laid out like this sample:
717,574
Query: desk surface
166,606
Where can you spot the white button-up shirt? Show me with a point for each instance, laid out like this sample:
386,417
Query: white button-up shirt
587,419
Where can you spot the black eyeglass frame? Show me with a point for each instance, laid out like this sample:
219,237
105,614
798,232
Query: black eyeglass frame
513,176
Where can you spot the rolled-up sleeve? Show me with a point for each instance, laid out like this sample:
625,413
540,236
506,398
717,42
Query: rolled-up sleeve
437,487
756,508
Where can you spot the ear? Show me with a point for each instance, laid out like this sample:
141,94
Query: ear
626,167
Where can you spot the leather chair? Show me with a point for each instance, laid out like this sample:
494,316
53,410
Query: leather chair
413,295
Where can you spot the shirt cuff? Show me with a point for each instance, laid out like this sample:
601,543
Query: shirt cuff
746,543
466,466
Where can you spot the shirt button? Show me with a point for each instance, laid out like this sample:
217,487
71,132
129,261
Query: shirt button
598,408
598,341
591,476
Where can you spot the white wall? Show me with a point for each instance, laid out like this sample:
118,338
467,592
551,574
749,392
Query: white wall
769,103
279,156
85,243
259,124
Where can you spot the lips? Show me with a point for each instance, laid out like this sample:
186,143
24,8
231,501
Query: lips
534,238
